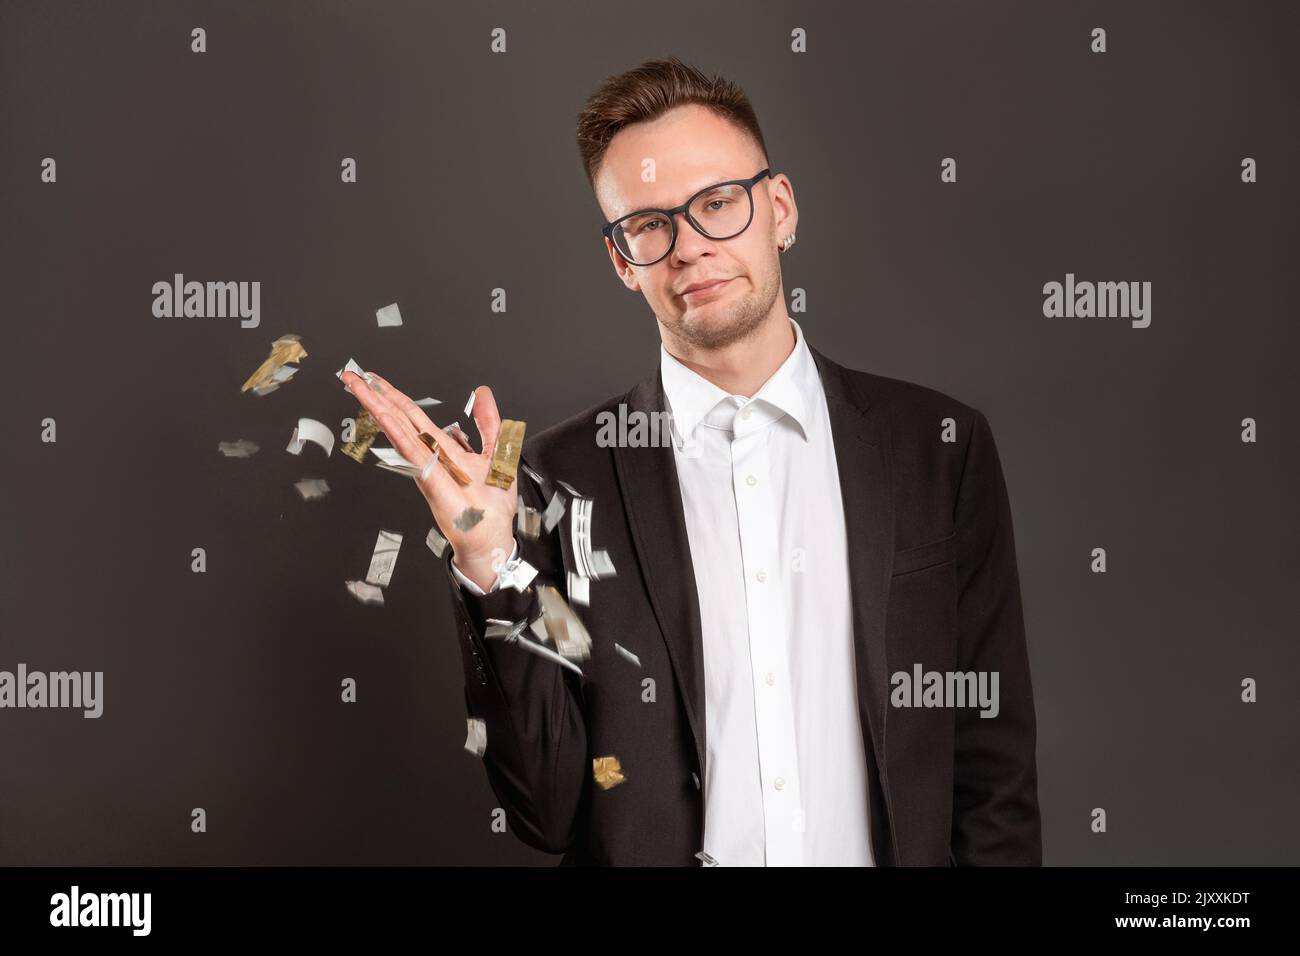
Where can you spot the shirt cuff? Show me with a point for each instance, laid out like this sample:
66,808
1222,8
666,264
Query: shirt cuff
473,588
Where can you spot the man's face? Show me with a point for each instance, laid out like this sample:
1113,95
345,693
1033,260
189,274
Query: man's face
691,148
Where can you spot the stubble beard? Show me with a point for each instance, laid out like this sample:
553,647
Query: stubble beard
739,323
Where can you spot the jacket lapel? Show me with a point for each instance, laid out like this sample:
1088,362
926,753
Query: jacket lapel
863,462
652,501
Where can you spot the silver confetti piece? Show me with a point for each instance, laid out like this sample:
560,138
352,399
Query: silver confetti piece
554,512
237,449
312,488
384,558
476,737
365,593
579,589
436,542
469,518
388,316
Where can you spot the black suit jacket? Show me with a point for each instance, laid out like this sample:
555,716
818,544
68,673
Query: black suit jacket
934,581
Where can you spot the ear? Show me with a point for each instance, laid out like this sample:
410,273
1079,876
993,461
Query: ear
785,214
626,272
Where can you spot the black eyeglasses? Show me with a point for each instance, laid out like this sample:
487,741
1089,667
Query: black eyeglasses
720,211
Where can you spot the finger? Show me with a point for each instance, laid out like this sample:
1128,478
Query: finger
406,405
395,424
373,401
450,449
486,418
442,492
439,488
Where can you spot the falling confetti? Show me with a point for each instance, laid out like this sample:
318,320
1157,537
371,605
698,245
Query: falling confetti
312,488
237,449
607,772
388,316
469,518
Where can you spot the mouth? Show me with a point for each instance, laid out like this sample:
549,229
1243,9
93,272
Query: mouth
706,291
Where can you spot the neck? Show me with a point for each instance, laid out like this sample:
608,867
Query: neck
742,367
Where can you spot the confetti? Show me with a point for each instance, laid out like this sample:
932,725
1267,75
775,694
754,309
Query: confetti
287,348
310,430
563,626
517,574
364,432
469,518
453,469
543,651
528,521
384,558
579,589
458,433
505,454
597,565
352,366
628,655
312,488
476,738
436,542
607,772
388,316
554,512
237,449
365,593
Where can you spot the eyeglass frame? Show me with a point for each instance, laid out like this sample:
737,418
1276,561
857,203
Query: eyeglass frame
608,230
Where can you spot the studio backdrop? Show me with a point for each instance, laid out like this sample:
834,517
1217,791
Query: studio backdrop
399,184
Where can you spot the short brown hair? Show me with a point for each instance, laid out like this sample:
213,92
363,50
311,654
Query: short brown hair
649,91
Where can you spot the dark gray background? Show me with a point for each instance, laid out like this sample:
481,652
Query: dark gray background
222,689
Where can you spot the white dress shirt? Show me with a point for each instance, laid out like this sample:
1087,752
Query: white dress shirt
786,766
785,774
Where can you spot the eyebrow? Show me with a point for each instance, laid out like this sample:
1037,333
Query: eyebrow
706,185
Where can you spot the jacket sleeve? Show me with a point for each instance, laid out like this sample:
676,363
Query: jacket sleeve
995,818
536,753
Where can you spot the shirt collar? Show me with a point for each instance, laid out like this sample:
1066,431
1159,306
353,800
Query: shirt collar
788,391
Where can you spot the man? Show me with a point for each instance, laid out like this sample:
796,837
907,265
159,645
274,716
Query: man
809,540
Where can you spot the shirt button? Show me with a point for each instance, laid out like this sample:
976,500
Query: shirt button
745,414
771,678
779,783
762,576
751,480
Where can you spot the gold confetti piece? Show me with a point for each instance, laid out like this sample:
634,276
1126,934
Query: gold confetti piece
452,468
363,436
607,772
285,349
505,456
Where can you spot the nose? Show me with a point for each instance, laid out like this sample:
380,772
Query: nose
691,243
